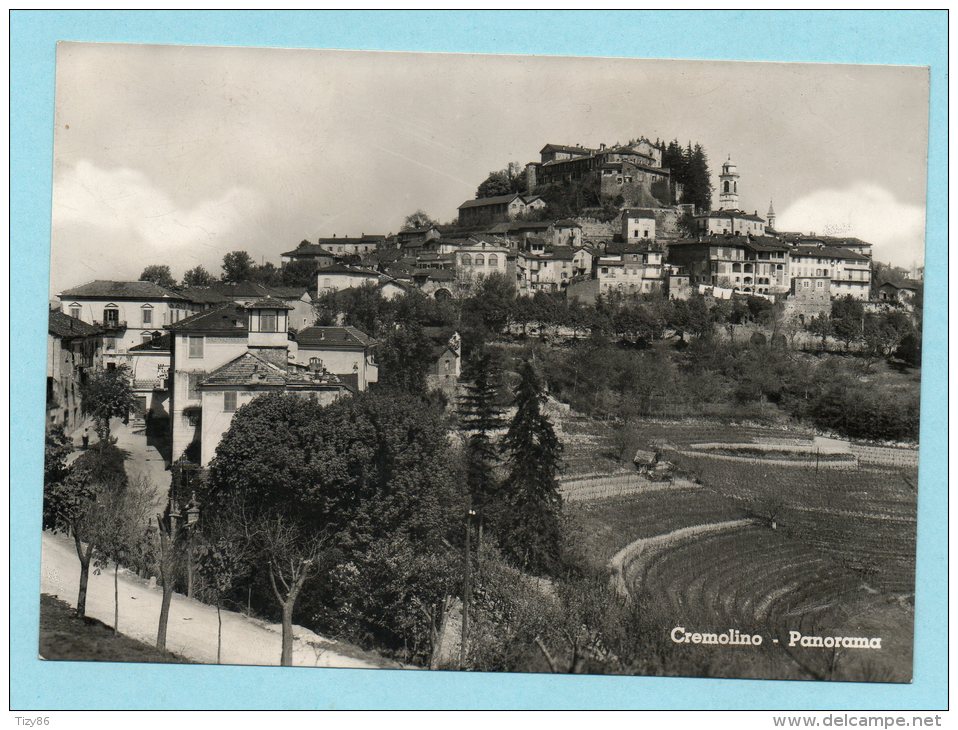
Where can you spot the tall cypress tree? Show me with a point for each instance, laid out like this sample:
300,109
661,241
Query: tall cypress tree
530,532
479,416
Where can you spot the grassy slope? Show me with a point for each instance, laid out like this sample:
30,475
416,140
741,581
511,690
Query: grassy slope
64,636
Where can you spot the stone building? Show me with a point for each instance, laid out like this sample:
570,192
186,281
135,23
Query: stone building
497,209
809,297
629,268
633,171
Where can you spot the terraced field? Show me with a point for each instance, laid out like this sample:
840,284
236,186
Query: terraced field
864,519
841,555
607,526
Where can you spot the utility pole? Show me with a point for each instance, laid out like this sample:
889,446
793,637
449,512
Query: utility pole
466,589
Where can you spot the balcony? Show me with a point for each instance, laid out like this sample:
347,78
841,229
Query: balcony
111,325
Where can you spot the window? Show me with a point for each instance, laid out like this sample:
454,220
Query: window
466,260
267,322
326,282
110,343
75,311
229,401
493,260
645,234
480,260
111,315
196,347
147,314
147,338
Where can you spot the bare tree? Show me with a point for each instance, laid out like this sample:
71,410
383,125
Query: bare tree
223,559
292,557
118,527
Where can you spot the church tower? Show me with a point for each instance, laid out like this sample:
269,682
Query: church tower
728,185
770,216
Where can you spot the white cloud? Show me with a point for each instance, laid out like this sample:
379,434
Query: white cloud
113,222
865,211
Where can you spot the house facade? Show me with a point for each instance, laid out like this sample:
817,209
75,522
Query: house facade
346,352
149,367
849,271
629,268
498,208
638,224
128,312
73,352
730,222
225,357
480,259
311,252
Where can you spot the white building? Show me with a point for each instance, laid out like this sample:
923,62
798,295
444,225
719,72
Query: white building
849,271
222,359
638,224
128,312
342,276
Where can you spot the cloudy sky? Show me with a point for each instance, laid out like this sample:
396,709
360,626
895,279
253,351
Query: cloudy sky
177,155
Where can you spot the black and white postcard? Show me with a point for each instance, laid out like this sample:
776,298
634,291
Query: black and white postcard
484,363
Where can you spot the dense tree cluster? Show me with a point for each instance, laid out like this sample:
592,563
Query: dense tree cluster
689,167
510,179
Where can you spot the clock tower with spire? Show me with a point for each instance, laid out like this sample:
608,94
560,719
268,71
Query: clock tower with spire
770,216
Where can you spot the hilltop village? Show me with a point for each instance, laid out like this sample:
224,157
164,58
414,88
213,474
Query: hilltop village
190,347
562,366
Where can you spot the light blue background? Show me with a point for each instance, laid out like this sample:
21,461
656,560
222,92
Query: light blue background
914,38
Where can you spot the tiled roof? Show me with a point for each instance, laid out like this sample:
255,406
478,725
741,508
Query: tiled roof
830,252
339,268
731,213
345,240
566,223
622,248
268,303
638,213
104,289
287,293
333,338
65,326
566,148
241,289
435,274
248,368
157,344
203,295
494,200
229,319
308,249
255,368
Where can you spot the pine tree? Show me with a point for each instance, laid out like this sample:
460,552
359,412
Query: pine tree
479,416
531,531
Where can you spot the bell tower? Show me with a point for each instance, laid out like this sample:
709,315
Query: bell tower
728,185
770,216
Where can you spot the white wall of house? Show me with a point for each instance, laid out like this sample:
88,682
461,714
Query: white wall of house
342,362
214,352
216,417
336,281
638,229
142,317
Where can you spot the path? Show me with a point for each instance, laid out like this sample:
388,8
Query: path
191,631
633,556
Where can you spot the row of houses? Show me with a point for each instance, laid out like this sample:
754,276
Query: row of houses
196,355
